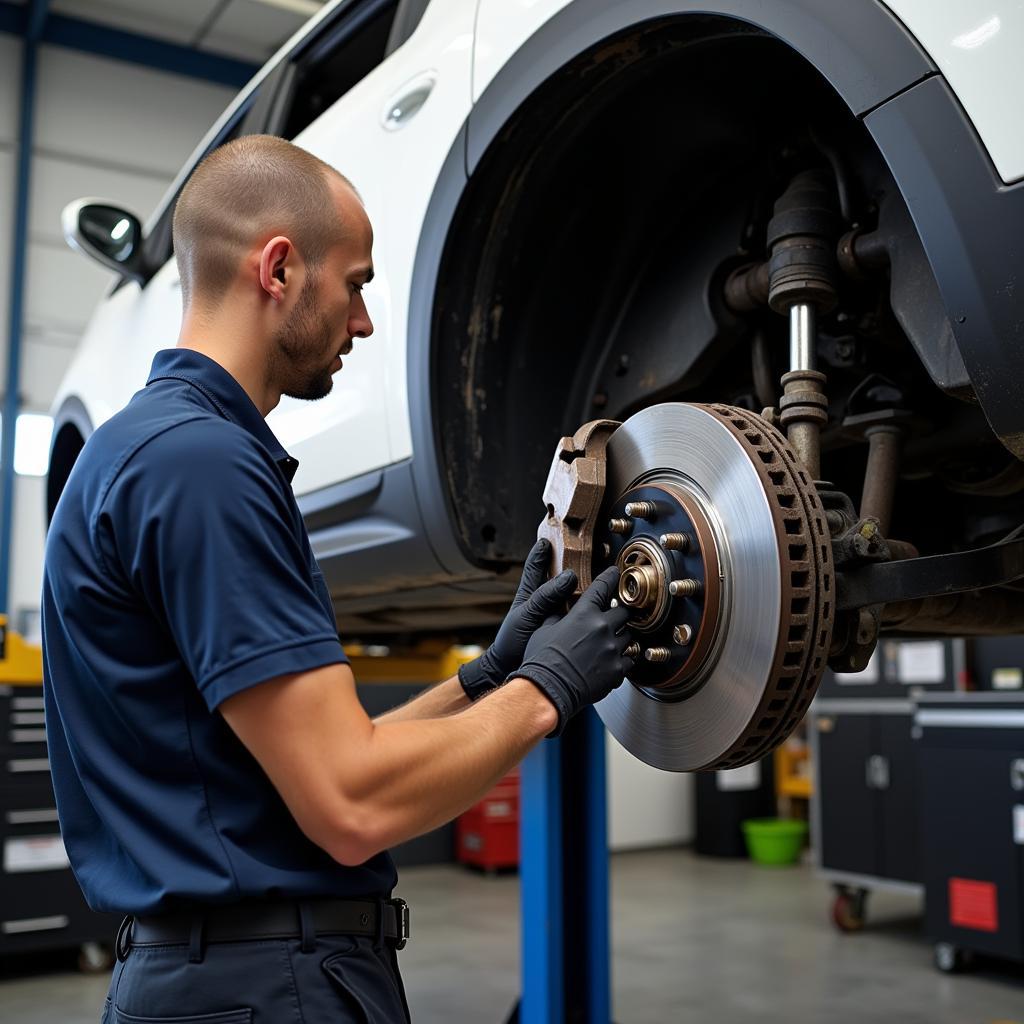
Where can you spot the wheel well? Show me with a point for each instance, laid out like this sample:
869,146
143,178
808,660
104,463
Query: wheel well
613,163
67,445
580,274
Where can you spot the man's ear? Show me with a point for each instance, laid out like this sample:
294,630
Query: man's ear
277,266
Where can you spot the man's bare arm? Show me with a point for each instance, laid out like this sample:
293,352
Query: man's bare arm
356,786
437,701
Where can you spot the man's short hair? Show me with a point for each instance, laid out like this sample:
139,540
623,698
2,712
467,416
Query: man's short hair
256,186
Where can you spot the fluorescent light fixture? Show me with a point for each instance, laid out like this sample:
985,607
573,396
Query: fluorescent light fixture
980,35
306,8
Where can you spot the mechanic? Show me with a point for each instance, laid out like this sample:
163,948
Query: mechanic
217,780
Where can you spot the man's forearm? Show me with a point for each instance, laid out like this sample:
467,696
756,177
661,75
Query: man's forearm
413,776
437,701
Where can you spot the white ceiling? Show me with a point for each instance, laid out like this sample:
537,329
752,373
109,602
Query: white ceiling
249,30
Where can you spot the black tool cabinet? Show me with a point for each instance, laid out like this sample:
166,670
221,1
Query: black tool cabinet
41,906
865,815
971,751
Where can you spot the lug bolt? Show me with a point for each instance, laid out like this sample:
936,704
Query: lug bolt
641,509
684,588
674,541
632,651
619,525
657,654
682,634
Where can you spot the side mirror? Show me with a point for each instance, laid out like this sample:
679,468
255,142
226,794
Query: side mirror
106,233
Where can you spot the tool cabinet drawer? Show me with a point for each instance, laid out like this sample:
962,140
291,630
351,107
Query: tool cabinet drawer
20,700
42,906
28,808
27,767
22,743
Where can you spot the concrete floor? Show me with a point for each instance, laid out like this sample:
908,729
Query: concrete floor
695,940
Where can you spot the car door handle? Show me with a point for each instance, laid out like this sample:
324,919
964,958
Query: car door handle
408,101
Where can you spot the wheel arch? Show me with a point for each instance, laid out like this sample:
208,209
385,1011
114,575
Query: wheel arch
72,427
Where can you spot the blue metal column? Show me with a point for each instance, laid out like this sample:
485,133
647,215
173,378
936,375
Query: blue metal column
563,868
35,17
596,879
540,879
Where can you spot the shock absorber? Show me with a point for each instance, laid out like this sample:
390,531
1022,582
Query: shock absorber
802,274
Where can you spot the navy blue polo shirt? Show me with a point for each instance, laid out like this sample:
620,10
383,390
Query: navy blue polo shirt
178,573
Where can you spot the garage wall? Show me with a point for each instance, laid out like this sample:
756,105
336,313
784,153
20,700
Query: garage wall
646,807
103,128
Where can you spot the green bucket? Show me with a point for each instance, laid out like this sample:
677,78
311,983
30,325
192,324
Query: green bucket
774,840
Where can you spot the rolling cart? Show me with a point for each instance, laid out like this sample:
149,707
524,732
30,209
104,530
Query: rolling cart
865,812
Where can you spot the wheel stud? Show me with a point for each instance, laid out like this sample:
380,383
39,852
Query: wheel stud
657,654
674,541
684,588
682,634
620,525
641,510
632,651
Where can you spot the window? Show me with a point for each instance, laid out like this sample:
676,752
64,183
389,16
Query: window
338,59
32,443
158,245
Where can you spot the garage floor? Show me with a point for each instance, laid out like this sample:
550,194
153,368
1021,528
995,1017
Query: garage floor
696,940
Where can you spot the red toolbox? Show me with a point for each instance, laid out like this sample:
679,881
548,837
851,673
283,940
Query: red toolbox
487,835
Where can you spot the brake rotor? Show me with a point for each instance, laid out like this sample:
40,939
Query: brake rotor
726,566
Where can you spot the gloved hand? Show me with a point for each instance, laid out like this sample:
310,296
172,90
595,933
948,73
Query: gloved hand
534,602
577,659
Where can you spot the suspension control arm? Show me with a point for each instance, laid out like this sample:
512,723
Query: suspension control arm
931,576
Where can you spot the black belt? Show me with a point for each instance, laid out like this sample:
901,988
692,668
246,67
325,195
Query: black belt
296,919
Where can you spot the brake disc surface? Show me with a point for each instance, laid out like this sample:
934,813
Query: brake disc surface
726,563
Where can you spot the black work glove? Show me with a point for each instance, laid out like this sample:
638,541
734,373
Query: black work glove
577,659
534,602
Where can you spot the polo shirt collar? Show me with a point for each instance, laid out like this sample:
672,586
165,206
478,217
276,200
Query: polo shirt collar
226,394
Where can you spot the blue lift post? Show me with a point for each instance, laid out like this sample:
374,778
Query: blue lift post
35,18
563,870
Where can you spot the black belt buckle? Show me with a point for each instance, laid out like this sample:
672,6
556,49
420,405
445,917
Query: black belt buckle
401,921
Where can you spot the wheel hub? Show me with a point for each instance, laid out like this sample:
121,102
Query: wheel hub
666,549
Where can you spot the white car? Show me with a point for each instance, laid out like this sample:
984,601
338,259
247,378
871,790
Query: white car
567,198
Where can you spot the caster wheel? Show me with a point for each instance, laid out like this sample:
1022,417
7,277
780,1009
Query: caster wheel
94,958
849,909
951,959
